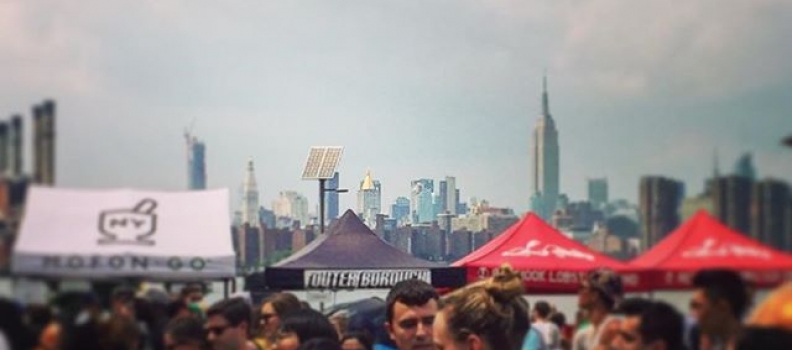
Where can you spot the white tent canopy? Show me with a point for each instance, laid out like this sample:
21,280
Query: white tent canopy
100,234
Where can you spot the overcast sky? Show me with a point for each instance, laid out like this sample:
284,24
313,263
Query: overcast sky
411,88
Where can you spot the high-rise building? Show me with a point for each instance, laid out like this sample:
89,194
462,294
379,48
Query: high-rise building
44,142
441,200
660,198
291,205
400,210
771,214
731,200
598,192
196,162
250,198
422,207
331,199
452,195
545,151
745,168
369,200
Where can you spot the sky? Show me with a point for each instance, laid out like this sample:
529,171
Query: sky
411,88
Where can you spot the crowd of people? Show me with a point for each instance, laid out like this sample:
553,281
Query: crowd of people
490,314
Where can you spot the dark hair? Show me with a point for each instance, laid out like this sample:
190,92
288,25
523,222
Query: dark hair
660,321
765,338
722,284
118,333
559,319
412,292
187,330
191,288
283,303
307,324
362,337
320,344
174,307
234,310
542,308
633,306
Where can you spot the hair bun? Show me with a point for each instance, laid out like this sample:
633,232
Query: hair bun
505,285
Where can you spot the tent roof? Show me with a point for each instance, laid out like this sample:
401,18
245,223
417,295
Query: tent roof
125,233
533,244
350,244
703,242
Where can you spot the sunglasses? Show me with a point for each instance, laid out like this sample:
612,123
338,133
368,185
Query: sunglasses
217,330
266,317
413,322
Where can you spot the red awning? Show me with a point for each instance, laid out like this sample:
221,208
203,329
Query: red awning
549,261
702,243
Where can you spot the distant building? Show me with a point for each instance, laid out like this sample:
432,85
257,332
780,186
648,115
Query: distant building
369,200
291,205
545,156
598,192
745,168
659,207
428,242
441,197
250,246
692,205
578,216
400,210
422,206
731,198
267,217
44,143
331,198
250,198
483,217
609,244
451,196
771,214
460,244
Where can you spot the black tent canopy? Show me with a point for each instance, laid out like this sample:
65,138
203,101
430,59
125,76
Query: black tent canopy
351,256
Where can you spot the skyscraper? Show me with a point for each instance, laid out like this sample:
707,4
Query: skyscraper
731,201
400,210
545,151
44,142
250,198
441,202
745,168
369,200
422,208
451,199
771,214
196,162
331,199
292,205
598,192
660,198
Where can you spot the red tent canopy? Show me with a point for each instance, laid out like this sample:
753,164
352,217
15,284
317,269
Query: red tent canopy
703,242
549,261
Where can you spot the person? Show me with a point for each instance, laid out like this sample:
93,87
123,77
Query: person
599,293
270,313
484,316
192,293
567,331
185,333
340,320
411,306
300,326
719,301
120,332
227,323
648,325
549,330
356,341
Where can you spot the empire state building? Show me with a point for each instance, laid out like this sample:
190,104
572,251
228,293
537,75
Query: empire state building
544,198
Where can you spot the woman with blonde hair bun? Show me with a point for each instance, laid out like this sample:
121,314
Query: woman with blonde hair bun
490,314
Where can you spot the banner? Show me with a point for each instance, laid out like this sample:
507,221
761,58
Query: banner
354,279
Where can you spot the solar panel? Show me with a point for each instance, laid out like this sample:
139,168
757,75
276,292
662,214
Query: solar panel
322,162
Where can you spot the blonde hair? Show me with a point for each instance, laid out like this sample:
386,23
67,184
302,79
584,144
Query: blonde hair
493,309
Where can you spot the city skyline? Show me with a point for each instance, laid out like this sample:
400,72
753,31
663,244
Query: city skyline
639,89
